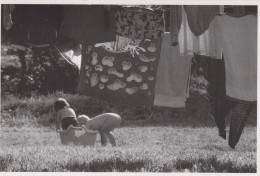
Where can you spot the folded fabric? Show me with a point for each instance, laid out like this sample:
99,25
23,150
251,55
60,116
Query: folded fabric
91,23
171,88
239,41
139,23
126,75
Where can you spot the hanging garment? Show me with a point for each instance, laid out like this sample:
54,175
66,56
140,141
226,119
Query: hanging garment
126,75
239,11
239,117
171,88
7,17
175,23
220,105
70,57
200,17
239,41
206,44
139,23
91,23
70,50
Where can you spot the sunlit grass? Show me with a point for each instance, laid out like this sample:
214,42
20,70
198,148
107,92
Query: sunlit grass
165,140
149,149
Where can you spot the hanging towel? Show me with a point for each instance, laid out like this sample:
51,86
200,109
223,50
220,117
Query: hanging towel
239,40
91,23
171,88
206,44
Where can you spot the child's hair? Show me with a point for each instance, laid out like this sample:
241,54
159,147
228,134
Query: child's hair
60,103
82,119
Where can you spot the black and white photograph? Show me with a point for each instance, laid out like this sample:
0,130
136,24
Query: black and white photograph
141,88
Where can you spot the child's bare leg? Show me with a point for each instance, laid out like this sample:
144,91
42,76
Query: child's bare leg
111,138
103,138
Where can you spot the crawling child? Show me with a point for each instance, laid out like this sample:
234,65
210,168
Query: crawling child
104,123
65,115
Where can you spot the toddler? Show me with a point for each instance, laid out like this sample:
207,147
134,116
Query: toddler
104,123
65,115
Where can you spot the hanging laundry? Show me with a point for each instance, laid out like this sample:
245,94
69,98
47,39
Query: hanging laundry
70,57
200,17
220,104
212,71
175,23
206,44
125,75
239,41
239,117
70,50
139,23
171,88
91,23
7,17
239,11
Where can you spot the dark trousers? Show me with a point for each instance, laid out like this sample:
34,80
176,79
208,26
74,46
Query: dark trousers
221,105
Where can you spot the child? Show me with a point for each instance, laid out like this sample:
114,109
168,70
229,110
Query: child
65,115
104,123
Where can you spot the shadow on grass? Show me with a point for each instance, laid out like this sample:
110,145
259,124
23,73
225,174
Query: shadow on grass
108,165
5,161
212,164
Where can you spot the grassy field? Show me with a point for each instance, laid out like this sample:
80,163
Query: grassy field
151,139
164,140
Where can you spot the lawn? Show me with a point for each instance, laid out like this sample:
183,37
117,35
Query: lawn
151,139
174,144
141,148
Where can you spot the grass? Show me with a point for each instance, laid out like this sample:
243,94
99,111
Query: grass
151,139
164,140
140,149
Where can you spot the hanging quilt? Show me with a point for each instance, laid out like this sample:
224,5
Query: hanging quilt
139,23
122,72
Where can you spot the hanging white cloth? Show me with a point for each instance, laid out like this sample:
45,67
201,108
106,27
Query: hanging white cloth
239,41
206,44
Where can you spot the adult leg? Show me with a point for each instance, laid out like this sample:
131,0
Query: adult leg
239,117
111,138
